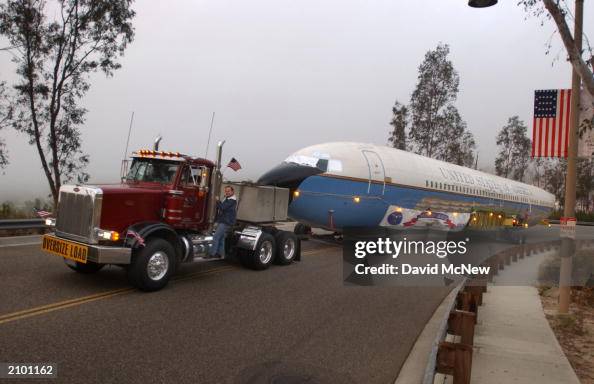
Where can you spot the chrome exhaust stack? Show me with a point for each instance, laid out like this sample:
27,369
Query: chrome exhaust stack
156,144
215,183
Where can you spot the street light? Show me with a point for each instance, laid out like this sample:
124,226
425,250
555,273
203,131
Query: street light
481,3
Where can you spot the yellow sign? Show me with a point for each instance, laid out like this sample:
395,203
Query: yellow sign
65,249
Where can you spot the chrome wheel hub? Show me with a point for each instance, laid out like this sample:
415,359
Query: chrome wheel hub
265,252
289,249
157,266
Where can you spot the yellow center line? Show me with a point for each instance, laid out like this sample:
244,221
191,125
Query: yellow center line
82,300
35,311
65,302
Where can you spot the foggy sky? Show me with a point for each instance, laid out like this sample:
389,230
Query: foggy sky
282,75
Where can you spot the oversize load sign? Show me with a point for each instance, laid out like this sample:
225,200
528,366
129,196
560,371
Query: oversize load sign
568,227
65,249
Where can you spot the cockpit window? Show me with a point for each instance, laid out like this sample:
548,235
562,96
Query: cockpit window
152,170
321,161
322,164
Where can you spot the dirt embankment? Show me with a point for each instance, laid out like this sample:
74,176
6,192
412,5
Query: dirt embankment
575,331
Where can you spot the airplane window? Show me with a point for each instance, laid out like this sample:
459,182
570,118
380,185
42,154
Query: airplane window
303,160
334,165
322,164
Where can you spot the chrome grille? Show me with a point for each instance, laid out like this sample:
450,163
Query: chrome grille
79,211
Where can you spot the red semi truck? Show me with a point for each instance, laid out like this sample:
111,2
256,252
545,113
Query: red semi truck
162,214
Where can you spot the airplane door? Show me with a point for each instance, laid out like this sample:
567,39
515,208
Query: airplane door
377,173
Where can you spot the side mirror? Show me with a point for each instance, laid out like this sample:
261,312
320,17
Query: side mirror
204,177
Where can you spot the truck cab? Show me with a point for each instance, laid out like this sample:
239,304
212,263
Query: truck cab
163,214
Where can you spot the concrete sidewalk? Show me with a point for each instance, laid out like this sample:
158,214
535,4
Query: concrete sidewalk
514,343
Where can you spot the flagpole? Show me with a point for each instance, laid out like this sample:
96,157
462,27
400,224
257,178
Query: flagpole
567,243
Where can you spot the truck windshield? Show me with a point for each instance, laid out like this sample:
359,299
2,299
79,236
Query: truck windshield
152,170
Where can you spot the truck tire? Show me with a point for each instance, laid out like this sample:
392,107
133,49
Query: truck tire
261,257
301,229
86,269
287,247
152,266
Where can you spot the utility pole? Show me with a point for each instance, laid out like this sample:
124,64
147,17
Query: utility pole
568,242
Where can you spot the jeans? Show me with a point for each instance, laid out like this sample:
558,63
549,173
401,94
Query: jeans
218,241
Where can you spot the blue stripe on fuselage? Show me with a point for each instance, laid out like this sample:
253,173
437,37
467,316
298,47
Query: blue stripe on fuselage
321,194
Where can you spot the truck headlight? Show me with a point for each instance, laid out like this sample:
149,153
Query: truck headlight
108,235
50,222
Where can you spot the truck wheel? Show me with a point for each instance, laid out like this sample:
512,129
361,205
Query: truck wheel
152,266
287,247
86,269
262,256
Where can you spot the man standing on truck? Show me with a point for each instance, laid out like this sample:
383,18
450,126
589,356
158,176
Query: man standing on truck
225,218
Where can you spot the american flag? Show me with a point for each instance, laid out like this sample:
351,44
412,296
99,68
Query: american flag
234,164
550,130
41,213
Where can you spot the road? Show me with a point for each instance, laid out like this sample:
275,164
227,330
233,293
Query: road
215,323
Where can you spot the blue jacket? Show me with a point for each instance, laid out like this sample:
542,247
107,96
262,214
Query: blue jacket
227,211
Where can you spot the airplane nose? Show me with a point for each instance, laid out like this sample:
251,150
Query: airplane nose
288,175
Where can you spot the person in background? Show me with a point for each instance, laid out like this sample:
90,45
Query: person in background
225,218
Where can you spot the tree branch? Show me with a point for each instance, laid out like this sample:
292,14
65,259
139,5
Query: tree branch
575,56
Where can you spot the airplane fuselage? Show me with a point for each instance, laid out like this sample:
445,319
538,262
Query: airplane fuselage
353,184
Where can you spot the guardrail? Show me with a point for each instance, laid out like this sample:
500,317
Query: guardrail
14,224
452,349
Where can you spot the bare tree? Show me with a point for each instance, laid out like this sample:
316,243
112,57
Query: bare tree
436,89
437,130
456,142
585,183
555,171
400,123
5,116
538,168
54,58
514,150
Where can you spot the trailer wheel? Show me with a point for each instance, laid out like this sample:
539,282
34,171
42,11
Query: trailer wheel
261,257
152,266
287,247
86,269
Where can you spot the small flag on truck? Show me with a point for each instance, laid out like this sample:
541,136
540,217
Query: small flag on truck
41,213
234,164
